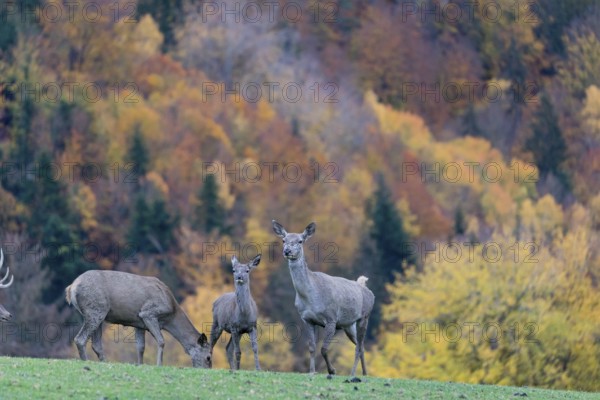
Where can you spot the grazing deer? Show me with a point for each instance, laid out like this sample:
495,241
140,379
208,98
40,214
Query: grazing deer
4,314
328,301
236,313
142,302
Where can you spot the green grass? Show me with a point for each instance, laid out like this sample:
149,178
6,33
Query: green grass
22,378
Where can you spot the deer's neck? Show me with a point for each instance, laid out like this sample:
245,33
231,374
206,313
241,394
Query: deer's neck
243,298
300,276
182,329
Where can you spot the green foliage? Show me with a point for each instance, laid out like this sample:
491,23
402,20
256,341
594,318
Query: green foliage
554,17
54,226
460,224
547,143
152,227
391,251
138,154
8,33
62,124
209,212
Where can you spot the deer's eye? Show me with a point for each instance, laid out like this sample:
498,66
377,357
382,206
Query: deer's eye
300,242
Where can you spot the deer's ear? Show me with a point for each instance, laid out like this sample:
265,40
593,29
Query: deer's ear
234,261
203,340
254,263
278,229
309,231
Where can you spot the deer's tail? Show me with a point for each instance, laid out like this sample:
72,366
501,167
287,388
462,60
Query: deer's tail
362,280
68,294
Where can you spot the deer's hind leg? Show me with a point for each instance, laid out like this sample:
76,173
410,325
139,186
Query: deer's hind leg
351,333
360,345
97,343
90,324
140,344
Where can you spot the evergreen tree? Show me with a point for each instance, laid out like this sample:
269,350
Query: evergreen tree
139,228
62,124
470,126
515,69
55,226
210,213
459,222
554,17
163,224
138,153
152,227
547,143
8,32
388,247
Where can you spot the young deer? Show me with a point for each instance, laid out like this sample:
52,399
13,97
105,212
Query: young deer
142,302
328,301
4,314
236,313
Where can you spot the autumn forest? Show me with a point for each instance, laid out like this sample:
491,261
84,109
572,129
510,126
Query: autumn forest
447,150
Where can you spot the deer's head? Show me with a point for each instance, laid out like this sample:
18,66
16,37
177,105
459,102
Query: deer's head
241,272
293,242
201,354
4,314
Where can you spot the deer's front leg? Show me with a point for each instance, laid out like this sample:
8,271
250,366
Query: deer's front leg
254,341
236,336
153,326
312,344
329,332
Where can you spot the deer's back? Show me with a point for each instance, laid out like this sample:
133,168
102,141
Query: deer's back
121,296
337,298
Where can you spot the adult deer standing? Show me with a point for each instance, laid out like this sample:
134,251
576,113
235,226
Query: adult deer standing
236,313
4,314
328,301
142,302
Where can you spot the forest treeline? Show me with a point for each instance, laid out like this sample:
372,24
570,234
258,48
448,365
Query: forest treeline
448,152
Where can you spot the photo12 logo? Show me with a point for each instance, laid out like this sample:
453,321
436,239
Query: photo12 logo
317,252
69,92
253,92
270,171
254,12
68,11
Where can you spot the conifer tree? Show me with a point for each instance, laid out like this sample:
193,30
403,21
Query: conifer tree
547,143
210,213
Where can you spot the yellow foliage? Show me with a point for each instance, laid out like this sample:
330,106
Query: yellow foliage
528,317
541,220
158,183
84,201
590,113
463,170
409,220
